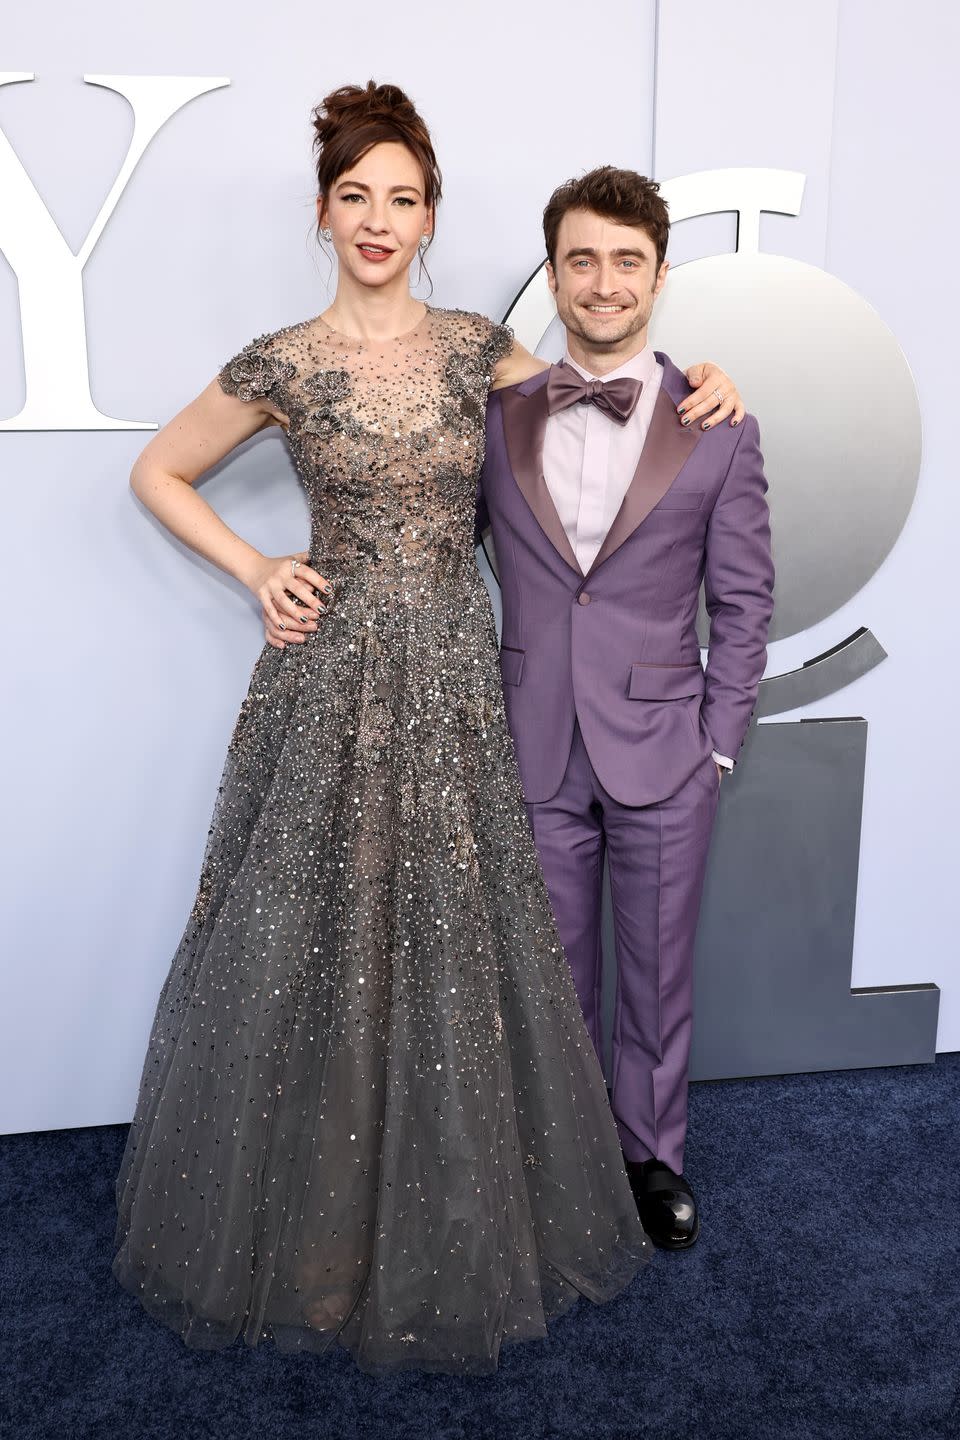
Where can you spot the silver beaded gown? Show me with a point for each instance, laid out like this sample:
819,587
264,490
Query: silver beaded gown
369,1109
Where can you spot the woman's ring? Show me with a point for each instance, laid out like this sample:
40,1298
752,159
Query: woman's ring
293,566
719,395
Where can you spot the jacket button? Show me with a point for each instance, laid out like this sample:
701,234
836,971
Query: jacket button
583,598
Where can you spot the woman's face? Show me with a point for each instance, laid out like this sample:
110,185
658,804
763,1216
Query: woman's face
378,216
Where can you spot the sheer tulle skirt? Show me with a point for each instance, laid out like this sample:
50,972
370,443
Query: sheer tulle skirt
369,1109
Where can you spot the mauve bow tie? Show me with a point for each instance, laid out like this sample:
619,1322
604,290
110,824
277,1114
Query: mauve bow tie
616,398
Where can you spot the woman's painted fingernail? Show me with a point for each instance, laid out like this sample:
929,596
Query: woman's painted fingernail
706,425
680,409
685,422
734,422
327,588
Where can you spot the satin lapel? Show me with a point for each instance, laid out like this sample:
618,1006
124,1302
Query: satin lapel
524,426
667,449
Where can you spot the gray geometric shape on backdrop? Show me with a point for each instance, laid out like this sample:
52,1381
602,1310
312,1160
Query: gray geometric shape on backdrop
775,943
824,675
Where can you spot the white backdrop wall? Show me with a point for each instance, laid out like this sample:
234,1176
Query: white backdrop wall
858,95
127,657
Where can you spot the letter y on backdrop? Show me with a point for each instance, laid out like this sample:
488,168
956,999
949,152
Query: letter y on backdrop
49,275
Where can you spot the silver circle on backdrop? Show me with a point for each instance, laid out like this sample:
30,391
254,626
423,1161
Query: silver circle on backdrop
838,410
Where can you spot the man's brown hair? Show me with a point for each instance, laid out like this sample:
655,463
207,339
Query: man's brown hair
619,195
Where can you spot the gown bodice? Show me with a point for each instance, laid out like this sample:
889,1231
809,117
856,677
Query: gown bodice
387,438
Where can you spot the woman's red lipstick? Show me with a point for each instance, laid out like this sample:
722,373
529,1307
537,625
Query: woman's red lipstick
376,254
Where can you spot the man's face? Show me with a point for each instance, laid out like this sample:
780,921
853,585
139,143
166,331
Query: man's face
605,280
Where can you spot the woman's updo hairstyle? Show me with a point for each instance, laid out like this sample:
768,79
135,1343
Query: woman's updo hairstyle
351,120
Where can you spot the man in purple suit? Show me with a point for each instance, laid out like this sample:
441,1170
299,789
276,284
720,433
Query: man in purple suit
608,510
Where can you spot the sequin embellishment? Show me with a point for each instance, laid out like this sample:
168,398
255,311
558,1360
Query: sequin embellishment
370,1111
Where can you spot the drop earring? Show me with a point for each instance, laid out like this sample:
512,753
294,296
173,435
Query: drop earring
424,242
326,234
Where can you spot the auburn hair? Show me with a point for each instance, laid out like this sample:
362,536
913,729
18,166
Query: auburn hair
619,195
351,120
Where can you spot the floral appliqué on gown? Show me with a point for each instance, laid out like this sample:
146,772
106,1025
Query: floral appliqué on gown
369,1110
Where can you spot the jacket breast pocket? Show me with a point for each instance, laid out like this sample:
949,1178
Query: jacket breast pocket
511,665
680,500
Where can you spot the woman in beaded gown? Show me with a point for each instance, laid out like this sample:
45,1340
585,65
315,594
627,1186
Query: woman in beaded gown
369,1110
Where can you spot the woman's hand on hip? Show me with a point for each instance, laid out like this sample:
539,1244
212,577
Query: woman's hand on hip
278,583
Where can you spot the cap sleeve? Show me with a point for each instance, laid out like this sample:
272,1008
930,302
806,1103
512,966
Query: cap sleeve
255,373
497,342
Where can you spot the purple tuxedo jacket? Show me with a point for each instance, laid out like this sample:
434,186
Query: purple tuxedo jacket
617,648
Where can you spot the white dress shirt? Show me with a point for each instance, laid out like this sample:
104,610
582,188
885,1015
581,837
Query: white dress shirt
589,460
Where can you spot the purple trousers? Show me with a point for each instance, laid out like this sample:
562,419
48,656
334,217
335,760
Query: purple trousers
657,857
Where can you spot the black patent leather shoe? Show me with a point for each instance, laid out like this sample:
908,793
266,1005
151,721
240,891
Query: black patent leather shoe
666,1204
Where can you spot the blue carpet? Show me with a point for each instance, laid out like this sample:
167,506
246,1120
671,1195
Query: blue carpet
822,1301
